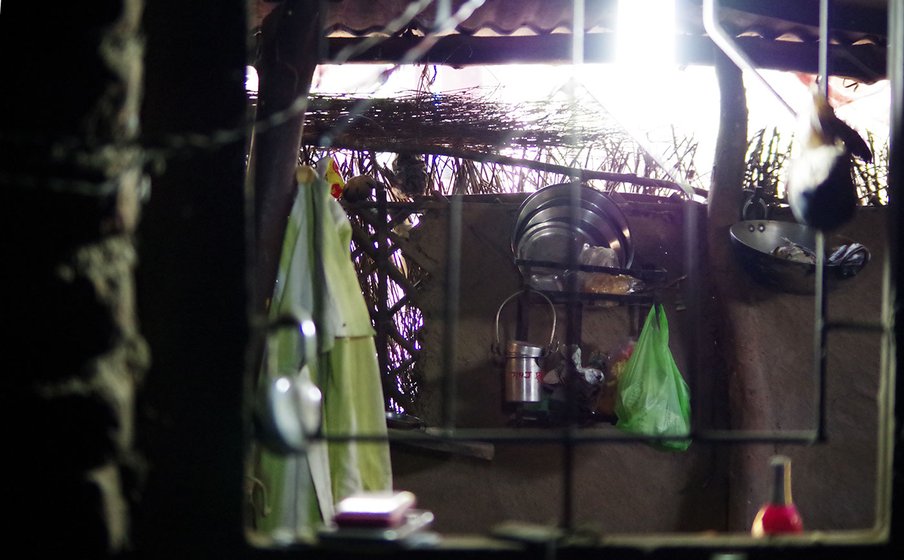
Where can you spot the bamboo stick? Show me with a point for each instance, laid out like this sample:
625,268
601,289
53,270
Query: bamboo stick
483,157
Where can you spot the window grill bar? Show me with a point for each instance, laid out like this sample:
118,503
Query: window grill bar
573,305
820,334
821,296
855,326
695,300
571,437
382,318
450,334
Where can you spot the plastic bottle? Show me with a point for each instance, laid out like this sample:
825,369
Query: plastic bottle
779,515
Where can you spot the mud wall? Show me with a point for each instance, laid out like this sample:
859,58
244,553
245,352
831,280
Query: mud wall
632,487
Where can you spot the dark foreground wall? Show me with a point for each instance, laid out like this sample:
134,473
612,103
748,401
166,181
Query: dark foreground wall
71,184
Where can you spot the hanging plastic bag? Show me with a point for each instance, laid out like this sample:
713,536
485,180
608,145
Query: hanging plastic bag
653,398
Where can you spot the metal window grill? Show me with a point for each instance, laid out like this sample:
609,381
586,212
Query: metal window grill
390,282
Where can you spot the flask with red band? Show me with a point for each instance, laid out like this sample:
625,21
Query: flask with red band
779,515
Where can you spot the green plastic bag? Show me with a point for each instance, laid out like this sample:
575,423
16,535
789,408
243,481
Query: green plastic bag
652,397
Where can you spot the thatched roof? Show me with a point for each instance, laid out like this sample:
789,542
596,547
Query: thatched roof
462,120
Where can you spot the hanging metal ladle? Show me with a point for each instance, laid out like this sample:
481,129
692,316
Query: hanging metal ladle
289,405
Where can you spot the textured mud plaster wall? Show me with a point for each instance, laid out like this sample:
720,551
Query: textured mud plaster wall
618,488
773,388
633,487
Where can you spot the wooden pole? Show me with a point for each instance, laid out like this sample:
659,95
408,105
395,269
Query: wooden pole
289,42
483,157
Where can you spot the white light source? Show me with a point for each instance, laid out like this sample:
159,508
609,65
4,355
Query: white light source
283,385
646,33
307,328
251,80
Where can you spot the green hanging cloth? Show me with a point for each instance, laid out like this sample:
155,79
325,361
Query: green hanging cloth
316,273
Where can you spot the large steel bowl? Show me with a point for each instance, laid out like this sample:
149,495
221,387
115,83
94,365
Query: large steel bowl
755,241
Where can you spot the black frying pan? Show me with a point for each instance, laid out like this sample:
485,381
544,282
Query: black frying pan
755,242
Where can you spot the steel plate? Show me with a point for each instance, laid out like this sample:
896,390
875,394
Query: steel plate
616,232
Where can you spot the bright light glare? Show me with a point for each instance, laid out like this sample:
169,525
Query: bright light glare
283,385
646,32
308,328
251,79
645,63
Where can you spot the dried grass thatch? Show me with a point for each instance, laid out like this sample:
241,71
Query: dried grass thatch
462,120
769,154
474,145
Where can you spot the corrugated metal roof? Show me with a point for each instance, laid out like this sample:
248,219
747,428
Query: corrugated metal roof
786,32
855,20
503,17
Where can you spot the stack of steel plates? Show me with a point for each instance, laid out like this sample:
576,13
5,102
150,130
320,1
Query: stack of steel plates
554,224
